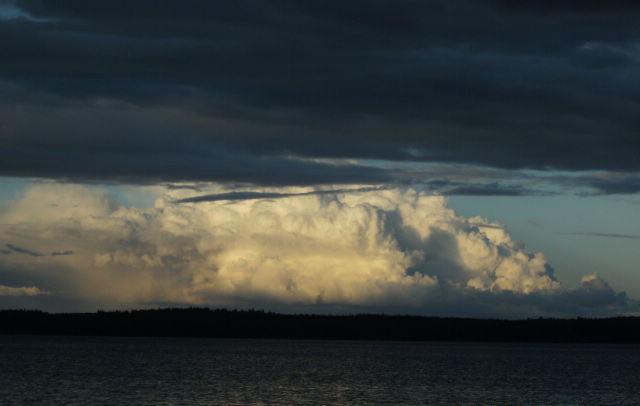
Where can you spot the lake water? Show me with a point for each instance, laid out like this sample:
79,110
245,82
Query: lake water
169,371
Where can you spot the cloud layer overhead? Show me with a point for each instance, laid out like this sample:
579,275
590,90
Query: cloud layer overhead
254,91
360,249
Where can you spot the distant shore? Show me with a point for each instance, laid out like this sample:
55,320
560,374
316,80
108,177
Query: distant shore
203,322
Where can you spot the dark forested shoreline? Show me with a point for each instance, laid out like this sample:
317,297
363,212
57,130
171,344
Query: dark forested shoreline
199,322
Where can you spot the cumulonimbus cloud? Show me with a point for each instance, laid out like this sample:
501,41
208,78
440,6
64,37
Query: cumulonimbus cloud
361,247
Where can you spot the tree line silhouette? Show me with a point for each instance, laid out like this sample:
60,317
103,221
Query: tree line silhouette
204,322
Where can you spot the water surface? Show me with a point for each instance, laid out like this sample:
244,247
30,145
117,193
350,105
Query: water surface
170,371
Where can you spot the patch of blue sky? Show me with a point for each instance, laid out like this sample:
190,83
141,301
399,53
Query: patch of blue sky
132,196
11,188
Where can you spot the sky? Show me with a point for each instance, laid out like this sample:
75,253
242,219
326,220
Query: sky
463,157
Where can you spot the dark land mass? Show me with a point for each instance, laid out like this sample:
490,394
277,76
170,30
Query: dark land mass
199,322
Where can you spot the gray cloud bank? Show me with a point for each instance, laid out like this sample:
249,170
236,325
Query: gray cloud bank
199,90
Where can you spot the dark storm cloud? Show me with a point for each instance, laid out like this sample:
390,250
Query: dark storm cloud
601,183
219,166
200,90
490,189
616,185
567,6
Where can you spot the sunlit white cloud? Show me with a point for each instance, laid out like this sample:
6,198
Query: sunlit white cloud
400,248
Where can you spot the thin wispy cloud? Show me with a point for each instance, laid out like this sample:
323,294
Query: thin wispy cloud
606,235
252,195
26,251
22,250
10,12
